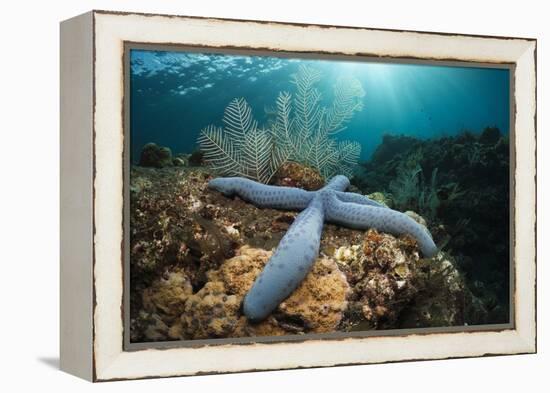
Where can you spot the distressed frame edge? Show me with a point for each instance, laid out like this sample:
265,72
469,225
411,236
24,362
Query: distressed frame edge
525,203
304,24
525,338
76,196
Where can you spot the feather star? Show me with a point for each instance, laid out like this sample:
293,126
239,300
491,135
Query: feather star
299,247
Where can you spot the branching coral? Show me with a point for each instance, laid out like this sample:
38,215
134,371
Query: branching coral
303,127
410,189
241,148
405,187
301,131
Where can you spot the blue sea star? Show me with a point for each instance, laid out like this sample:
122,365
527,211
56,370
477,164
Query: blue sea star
299,247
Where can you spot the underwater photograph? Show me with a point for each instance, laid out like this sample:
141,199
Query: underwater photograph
279,195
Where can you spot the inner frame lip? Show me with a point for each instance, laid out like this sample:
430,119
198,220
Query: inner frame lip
128,46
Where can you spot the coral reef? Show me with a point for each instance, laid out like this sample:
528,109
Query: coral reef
179,161
380,198
489,136
316,306
172,311
293,174
210,313
196,253
460,185
164,302
155,156
319,302
196,158
301,131
394,287
300,245
410,189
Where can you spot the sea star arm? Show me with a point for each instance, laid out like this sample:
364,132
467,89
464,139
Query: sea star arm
340,183
357,198
288,265
337,183
263,195
358,216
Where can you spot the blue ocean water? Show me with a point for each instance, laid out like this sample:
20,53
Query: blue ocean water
173,95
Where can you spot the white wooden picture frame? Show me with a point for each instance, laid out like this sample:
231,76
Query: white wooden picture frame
92,196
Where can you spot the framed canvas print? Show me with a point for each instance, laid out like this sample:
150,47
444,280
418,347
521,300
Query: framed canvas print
246,195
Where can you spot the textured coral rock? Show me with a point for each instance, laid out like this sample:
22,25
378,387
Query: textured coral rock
321,299
468,207
381,278
293,174
392,287
181,160
381,198
417,217
214,311
172,224
196,158
147,326
168,294
239,273
139,184
163,302
210,313
155,156
442,298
